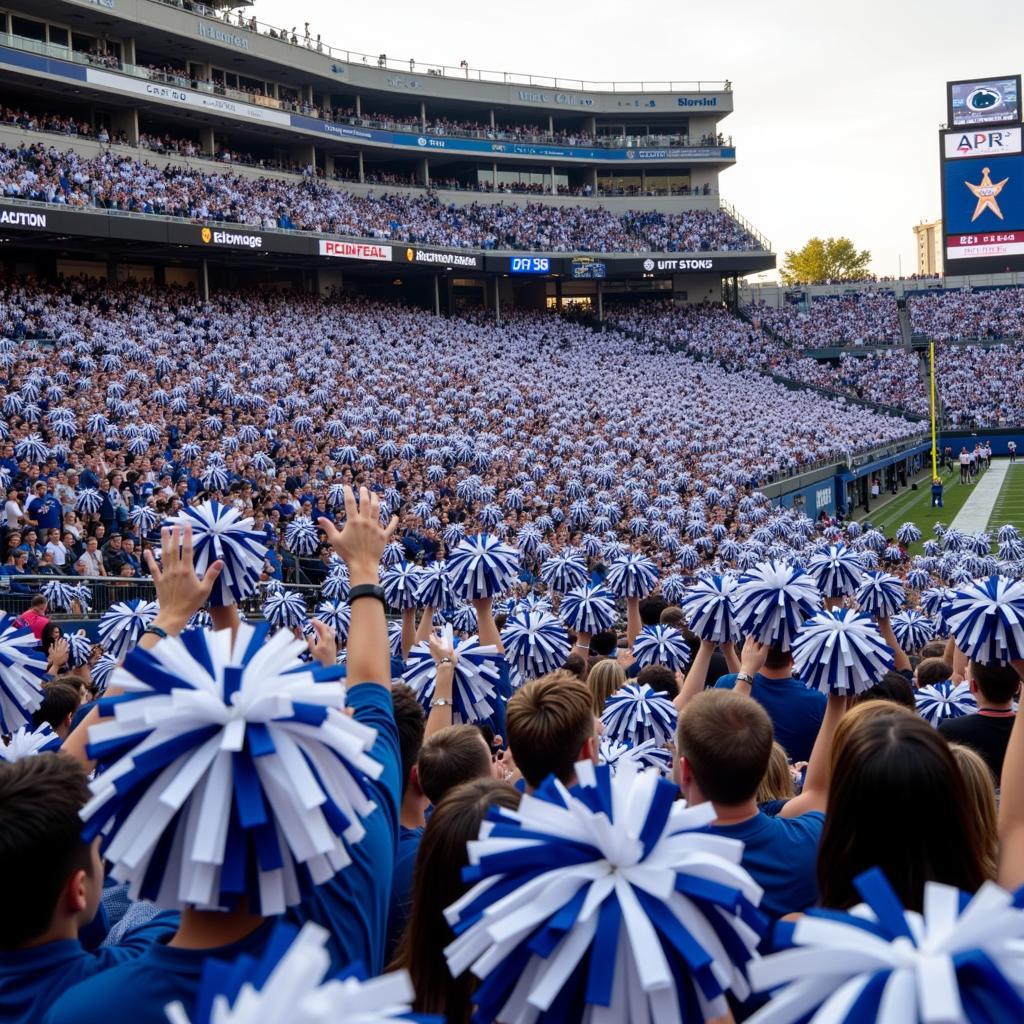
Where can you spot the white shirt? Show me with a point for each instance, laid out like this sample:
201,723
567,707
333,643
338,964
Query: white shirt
13,513
59,552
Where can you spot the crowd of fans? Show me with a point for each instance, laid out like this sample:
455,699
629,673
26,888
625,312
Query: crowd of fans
864,318
963,314
115,182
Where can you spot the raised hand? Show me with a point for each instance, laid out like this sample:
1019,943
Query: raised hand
362,540
179,590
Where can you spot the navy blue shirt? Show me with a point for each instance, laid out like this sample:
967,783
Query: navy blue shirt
795,711
46,511
401,886
781,855
31,979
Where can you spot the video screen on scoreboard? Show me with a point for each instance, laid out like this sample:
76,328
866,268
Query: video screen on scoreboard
983,212
984,101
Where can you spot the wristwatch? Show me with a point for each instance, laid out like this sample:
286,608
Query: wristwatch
744,677
367,590
441,702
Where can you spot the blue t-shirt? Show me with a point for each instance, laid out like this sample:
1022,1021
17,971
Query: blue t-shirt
31,979
139,990
401,886
781,855
795,711
353,906
46,511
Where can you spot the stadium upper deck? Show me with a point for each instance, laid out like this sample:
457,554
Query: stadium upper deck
145,68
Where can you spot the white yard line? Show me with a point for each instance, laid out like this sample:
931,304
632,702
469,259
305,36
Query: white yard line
976,511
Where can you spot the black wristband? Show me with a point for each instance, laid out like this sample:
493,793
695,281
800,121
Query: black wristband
367,590
155,631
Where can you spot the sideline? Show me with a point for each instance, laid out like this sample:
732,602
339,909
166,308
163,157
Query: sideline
976,511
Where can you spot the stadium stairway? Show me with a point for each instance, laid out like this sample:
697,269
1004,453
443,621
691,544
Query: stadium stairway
906,331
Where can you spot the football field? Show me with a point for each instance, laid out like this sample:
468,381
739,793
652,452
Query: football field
1009,506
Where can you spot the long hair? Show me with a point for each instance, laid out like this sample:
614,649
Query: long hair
898,801
437,883
604,679
981,785
777,783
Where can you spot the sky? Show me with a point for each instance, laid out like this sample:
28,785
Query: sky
837,105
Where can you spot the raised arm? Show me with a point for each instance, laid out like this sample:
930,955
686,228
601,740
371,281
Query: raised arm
900,660
426,626
486,627
696,676
1011,805
633,622
360,544
441,706
408,631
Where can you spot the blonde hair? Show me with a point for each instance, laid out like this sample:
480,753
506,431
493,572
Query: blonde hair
982,788
777,783
604,679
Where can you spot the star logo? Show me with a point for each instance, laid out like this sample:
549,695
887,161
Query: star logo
987,194
207,234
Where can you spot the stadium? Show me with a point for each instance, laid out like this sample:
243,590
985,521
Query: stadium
442,579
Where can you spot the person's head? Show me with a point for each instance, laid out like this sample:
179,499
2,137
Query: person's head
411,726
50,634
994,684
777,783
450,757
59,877
933,649
897,801
778,660
893,686
724,742
604,679
437,883
604,643
651,609
673,616
659,678
981,788
114,542
577,665
38,604
551,725
60,702
930,671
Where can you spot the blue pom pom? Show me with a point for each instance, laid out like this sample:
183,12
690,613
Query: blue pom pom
908,533
88,501
400,582
301,536
79,649
661,645
482,566
564,572
536,642
626,908
632,575
335,615
841,652
187,813
837,571
589,609
219,533
59,595
940,701
913,630
143,518
26,742
642,756
121,625
434,587
707,605
285,609
637,713
987,619
881,594
464,619
772,600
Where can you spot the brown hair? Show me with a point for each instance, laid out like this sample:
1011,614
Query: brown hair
577,665
897,801
450,757
59,701
437,883
981,785
40,840
777,783
673,616
933,649
726,739
998,684
548,721
604,679
933,670
660,678
411,726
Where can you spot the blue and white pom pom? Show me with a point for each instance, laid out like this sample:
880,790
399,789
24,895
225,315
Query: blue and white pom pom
25,742
772,601
477,675
301,536
287,983
59,595
88,501
940,701
959,961
638,712
987,619
535,642
101,671
336,615
220,533
400,582
285,609
238,772
337,583
836,571
908,533
22,668
589,609
881,594
648,754
121,625
564,572
482,566
143,518
841,651
434,587
464,619
708,608
661,645
79,649
608,902
913,630
632,575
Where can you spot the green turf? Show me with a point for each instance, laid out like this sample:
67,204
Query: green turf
1009,506
915,507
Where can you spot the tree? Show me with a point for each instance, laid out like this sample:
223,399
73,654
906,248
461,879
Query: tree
821,260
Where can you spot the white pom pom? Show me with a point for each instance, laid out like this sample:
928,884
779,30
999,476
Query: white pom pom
661,645
482,566
22,668
632,575
708,608
25,742
987,619
881,594
536,642
940,701
841,652
837,571
121,625
772,600
588,609
637,713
